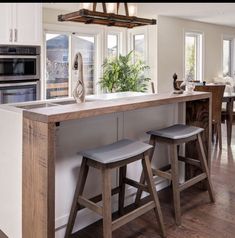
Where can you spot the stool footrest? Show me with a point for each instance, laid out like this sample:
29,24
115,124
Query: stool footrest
163,174
132,215
192,181
136,184
91,205
98,198
191,161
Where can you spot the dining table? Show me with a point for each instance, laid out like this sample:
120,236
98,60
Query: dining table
229,98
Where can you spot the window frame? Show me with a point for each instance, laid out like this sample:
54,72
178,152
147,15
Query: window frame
199,75
95,62
232,68
43,82
69,30
139,31
100,32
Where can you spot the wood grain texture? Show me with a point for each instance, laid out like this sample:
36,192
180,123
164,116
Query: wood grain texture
153,193
84,169
39,151
200,218
229,99
96,108
217,96
175,183
199,113
3,235
38,180
96,17
107,203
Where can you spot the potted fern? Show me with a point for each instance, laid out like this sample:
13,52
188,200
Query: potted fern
121,74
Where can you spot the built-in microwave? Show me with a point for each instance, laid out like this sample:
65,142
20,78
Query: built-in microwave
19,63
19,73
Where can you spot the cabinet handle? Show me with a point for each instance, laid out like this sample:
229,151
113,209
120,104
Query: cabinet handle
11,35
15,35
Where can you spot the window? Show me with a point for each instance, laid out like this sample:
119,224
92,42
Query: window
139,46
227,57
57,71
60,52
85,44
112,44
193,56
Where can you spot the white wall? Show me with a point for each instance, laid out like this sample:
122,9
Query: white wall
11,173
170,45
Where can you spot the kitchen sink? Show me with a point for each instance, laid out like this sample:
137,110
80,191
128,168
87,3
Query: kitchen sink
34,106
65,102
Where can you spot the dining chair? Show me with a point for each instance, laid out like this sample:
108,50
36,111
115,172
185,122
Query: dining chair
217,91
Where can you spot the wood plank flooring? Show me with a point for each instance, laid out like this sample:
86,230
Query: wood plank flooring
200,218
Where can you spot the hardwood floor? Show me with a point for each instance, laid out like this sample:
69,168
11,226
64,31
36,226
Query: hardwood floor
200,218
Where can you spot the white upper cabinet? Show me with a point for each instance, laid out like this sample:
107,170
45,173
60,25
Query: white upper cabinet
6,32
22,23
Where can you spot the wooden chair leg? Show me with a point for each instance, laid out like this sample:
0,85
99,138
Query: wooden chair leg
175,183
151,187
107,208
219,134
121,199
152,142
205,169
213,134
79,190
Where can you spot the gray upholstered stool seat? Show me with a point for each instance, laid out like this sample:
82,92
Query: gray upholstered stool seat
174,136
177,132
106,158
117,151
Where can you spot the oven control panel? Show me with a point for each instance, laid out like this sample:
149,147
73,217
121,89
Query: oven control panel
19,50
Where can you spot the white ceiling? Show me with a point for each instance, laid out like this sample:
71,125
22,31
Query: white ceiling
217,13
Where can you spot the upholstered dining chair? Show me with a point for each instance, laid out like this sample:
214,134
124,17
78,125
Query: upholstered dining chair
217,91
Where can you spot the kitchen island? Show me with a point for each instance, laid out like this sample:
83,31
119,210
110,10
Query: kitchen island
53,134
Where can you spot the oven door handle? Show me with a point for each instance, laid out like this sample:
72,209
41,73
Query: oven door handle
19,56
17,84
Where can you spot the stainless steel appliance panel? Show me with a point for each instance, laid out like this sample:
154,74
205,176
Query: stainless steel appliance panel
19,92
19,63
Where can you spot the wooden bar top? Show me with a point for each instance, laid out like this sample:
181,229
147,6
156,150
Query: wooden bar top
89,109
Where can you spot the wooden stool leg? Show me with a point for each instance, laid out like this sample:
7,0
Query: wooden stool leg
149,178
79,190
121,199
142,178
205,169
107,208
175,183
139,190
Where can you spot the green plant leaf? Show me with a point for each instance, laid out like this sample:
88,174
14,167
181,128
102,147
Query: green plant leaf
122,73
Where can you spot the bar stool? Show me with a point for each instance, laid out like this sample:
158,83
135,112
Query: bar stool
174,136
106,158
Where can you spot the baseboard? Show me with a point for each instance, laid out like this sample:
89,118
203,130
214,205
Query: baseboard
87,217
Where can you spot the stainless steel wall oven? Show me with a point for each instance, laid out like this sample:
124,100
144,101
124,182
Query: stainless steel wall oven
19,73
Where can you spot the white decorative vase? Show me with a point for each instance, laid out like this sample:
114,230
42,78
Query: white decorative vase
79,90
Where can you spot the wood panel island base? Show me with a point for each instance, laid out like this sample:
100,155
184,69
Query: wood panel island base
51,134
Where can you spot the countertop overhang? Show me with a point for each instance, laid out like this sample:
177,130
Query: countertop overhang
101,107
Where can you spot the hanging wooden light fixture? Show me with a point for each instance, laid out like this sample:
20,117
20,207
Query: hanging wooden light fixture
104,18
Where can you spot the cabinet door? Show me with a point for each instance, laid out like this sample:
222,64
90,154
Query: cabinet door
28,23
6,31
